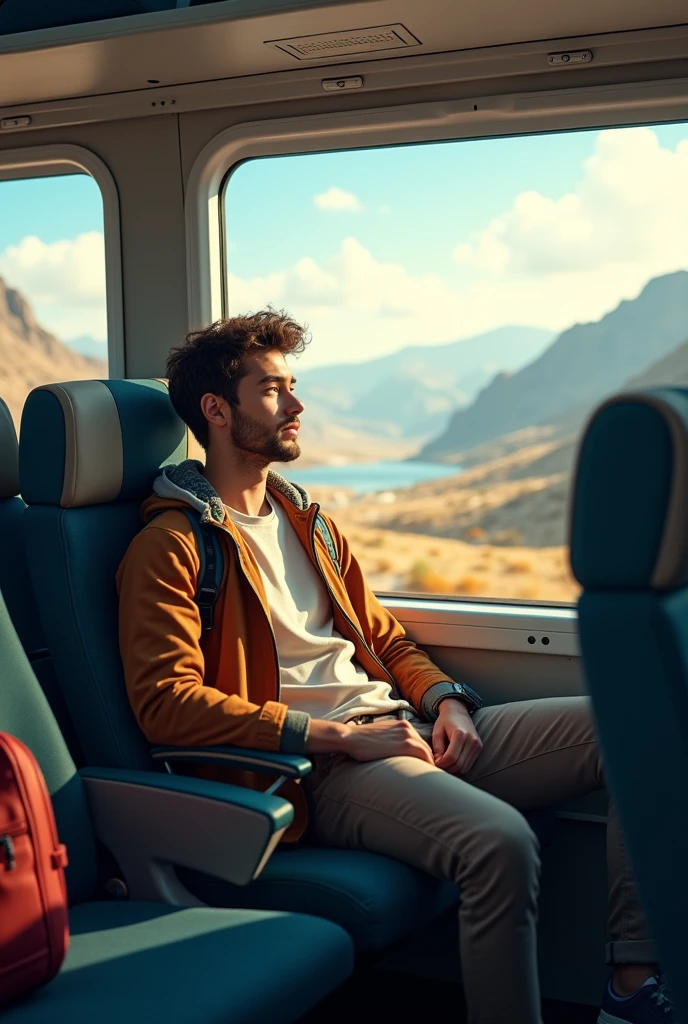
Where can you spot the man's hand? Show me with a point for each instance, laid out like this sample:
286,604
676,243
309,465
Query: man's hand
455,742
378,740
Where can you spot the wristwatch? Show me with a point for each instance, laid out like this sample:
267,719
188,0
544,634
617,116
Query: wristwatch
459,691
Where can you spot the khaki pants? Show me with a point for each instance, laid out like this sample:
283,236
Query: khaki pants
466,829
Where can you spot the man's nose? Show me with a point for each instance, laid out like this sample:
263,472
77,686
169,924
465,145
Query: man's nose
294,406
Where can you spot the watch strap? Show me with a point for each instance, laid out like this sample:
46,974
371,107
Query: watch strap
438,691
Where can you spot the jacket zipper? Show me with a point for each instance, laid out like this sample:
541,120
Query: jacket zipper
272,632
336,603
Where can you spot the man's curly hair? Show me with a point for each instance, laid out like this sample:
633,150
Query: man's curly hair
212,360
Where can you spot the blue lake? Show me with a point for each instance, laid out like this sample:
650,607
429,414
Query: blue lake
364,477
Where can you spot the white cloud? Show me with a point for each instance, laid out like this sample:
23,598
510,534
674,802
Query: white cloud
546,261
352,279
359,307
64,281
629,209
338,199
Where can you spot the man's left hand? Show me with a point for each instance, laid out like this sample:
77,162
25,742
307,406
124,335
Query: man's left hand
455,742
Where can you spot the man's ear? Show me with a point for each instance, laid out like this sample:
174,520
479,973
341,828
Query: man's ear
216,410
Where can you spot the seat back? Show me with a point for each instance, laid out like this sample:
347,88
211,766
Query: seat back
25,713
629,550
89,453
14,573
15,582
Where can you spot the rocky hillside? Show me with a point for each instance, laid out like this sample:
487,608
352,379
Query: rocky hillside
30,355
413,392
672,370
513,490
585,363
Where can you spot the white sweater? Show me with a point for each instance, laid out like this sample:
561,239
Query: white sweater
318,674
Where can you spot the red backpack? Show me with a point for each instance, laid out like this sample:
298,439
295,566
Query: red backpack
34,931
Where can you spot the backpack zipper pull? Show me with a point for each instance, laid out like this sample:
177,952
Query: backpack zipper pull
7,846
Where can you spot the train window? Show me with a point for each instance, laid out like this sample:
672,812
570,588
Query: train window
469,303
52,284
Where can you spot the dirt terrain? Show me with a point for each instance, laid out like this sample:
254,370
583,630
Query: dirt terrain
495,530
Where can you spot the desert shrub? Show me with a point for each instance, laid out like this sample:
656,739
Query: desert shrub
519,565
436,583
435,552
423,577
476,533
384,565
418,571
469,585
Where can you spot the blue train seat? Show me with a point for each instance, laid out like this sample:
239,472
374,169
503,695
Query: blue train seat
88,455
629,551
15,582
148,960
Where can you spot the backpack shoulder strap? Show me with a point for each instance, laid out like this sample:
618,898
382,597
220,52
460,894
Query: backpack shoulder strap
326,534
211,568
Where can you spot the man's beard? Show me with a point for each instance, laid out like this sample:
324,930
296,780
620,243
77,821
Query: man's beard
252,437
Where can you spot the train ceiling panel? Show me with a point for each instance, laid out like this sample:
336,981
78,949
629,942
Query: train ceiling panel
141,44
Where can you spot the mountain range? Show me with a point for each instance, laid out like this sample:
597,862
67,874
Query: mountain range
534,385
413,392
85,345
585,363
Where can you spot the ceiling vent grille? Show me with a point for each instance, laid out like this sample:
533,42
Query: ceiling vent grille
345,44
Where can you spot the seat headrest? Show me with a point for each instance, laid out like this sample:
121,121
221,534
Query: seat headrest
88,442
9,455
629,511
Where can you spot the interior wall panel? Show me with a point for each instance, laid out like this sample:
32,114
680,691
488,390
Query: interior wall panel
502,676
143,157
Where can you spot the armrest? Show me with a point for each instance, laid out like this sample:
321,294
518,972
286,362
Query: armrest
290,765
153,822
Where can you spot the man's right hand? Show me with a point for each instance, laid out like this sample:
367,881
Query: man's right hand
371,742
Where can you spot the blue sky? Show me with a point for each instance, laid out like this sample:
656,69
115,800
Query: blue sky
381,248
52,208
437,193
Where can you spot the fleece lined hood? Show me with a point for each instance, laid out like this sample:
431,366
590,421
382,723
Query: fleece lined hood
185,484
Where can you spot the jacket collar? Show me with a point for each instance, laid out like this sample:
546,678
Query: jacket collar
187,483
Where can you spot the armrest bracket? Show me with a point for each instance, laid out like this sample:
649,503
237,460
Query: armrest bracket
153,822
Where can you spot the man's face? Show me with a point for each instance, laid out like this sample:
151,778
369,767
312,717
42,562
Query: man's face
266,420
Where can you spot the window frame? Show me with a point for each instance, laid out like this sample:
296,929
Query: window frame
512,114
64,158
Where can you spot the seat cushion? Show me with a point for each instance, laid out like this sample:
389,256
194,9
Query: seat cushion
15,582
377,899
153,962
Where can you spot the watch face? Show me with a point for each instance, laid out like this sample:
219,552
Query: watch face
469,694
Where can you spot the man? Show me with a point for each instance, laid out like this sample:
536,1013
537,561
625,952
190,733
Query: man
303,658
